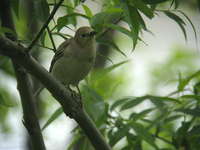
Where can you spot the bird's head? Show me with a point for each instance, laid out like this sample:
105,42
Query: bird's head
85,36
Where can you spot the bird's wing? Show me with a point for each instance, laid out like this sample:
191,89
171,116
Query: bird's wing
59,53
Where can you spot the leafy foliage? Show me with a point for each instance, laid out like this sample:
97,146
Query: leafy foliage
118,119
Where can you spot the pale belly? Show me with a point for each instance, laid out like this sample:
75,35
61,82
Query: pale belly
70,70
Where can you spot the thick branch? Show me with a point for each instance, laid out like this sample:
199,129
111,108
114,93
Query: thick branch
71,106
27,99
29,109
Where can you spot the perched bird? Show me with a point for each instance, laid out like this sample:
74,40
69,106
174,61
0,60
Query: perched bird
74,58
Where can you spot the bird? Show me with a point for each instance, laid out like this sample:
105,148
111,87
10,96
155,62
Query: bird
74,58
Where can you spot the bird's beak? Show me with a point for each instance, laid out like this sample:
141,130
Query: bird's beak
92,33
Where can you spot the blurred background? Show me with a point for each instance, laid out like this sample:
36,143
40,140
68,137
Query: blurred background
153,67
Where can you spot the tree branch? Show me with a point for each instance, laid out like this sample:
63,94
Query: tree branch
71,105
51,38
23,83
45,25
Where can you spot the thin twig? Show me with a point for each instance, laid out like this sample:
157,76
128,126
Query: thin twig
45,25
51,38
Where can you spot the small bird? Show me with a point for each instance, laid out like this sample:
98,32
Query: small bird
75,57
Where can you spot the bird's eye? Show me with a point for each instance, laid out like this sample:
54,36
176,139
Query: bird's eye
83,35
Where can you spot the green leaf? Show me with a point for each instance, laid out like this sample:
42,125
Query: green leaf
192,25
163,98
120,29
131,15
157,120
195,97
143,133
118,135
180,135
142,7
64,20
142,22
111,44
134,141
142,114
132,103
119,102
87,10
184,82
194,112
70,10
178,20
99,20
172,118
53,117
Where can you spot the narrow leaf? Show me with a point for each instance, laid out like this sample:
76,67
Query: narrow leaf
194,112
192,25
99,20
184,82
111,44
172,118
143,133
131,15
195,97
143,8
120,29
142,114
163,98
87,10
53,117
118,135
178,20
132,103
119,102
